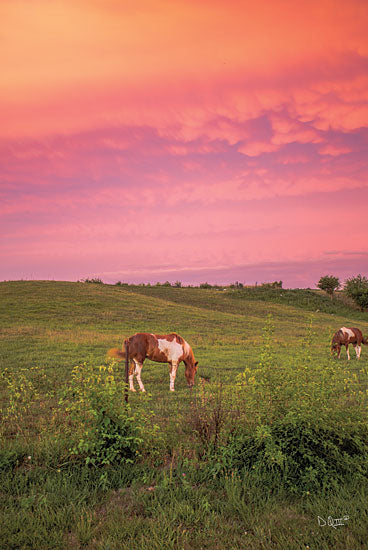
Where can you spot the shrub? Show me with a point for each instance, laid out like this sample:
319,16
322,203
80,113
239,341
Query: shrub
275,284
205,285
104,430
95,280
329,284
208,416
237,285
305,457
357,289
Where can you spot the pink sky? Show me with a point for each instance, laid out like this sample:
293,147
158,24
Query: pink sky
189,140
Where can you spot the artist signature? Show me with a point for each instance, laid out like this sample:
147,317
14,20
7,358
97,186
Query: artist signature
331,522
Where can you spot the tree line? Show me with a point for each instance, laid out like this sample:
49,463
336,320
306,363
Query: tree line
354,287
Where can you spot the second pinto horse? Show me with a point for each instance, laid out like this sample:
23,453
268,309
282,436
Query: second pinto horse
168,348
345,336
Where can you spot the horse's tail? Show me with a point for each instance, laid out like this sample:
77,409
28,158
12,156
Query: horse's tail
116,353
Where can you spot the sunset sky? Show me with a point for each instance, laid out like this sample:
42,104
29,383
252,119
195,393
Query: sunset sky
191,140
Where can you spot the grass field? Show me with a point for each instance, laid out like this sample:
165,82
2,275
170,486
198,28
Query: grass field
212,467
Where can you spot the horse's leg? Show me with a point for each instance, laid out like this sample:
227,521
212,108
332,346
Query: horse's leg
138,370
358,350
339,352
131,376
173,369
347,351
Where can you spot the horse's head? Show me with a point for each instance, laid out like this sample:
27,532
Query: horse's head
190,370
335,348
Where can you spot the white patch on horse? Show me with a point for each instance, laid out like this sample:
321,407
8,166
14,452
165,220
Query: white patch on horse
172,350
137,372
349,332
172,376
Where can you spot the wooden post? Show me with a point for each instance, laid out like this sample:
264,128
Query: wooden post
126,370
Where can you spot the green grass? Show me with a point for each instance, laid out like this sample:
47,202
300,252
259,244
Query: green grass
53,501
226,298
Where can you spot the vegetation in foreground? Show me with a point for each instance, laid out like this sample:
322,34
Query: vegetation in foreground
274,435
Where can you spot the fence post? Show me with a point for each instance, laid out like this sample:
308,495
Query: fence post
126,369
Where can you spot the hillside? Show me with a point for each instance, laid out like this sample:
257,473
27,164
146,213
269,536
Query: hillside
59,324
272,435
228,299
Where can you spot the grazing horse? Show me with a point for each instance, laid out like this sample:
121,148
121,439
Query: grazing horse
345,336
169,348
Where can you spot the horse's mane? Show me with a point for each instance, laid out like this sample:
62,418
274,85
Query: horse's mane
179,338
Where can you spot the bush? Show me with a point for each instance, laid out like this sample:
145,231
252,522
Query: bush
305,457
329,284
357,289
275,284
237,285
205,285
209,414
95,280
104,430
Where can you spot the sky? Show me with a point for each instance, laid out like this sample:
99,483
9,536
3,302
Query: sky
184,140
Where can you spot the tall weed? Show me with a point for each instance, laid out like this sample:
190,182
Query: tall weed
104,429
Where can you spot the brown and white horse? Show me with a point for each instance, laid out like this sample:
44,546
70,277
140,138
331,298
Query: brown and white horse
345,336
169,348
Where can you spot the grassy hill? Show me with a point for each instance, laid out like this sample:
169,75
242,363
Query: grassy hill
57,325
53,500
224,298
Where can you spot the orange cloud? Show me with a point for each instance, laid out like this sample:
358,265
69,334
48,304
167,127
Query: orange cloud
71,66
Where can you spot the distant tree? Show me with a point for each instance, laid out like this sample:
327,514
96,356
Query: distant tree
275,284
361,299
94,280
205,285
329,284
237,285
177,284
357,289
166,283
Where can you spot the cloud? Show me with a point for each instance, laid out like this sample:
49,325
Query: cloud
179,65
